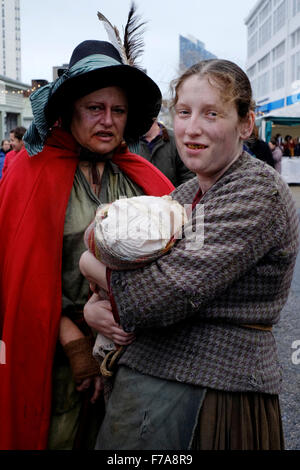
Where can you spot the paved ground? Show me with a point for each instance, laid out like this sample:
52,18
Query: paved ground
295,188
287,333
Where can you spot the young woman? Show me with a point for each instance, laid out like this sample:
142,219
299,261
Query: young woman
203,372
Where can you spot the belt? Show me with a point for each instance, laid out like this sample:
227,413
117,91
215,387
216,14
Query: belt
257,327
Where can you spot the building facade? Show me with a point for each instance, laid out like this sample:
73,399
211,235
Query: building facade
273,57
191,51
10,39
15,107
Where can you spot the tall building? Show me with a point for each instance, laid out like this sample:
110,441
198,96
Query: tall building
273,60
10,39
191,51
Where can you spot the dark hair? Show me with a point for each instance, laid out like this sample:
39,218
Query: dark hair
19,132
231,80
274,141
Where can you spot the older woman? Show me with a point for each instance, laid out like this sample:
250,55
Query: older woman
76,158
203,371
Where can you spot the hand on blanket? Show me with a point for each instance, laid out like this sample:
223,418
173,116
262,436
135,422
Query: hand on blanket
98,315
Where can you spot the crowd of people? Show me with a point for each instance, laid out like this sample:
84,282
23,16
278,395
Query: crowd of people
197,366
289,146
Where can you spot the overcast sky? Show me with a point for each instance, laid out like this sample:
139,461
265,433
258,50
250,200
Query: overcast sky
51,29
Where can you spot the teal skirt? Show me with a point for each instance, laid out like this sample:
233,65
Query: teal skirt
148,413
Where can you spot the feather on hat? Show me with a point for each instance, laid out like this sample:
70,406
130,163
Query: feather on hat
94,65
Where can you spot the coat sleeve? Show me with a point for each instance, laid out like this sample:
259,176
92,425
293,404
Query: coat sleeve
241,222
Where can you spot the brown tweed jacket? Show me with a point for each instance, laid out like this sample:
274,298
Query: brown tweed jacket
189,306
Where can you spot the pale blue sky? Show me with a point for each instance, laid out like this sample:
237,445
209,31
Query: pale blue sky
51,29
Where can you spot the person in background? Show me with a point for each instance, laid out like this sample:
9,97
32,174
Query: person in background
276,153
17,144
5,148
279,139
203,370
297,147
158,147
76,158
288,146
259,148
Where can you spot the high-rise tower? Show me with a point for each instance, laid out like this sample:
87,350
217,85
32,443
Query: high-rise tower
10,39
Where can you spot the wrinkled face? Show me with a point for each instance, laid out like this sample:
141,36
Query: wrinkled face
16,144
99,119
208,131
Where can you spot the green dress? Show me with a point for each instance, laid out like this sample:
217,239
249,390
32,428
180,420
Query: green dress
67,403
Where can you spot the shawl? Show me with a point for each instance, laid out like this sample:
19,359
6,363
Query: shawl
34,195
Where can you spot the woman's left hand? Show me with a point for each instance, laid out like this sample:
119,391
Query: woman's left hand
95,382
98,315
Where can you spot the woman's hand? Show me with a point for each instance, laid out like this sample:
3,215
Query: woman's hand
95,382
98,314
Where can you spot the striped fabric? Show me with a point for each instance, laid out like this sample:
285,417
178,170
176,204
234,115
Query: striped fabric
189,306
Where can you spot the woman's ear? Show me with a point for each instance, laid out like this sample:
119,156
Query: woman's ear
246,125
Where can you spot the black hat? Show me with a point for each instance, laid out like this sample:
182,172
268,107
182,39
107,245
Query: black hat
98,64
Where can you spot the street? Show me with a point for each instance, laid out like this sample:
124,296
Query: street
287,334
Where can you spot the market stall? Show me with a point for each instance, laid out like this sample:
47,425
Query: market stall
284,121
290,170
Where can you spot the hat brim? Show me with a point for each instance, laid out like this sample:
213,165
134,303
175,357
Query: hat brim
144,96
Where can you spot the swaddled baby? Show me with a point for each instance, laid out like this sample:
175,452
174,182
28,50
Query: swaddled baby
131,232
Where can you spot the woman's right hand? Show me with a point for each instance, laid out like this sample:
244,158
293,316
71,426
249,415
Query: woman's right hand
98,315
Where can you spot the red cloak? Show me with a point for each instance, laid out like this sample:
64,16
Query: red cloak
33,198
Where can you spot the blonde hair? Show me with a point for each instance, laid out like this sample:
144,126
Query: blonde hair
229,78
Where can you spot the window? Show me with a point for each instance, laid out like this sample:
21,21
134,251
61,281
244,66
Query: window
295,66
278,76
296,7
278,51
251,72
252,27
254,87
265,11
263,84
265,32
279,17
295,38
264,62
252,45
